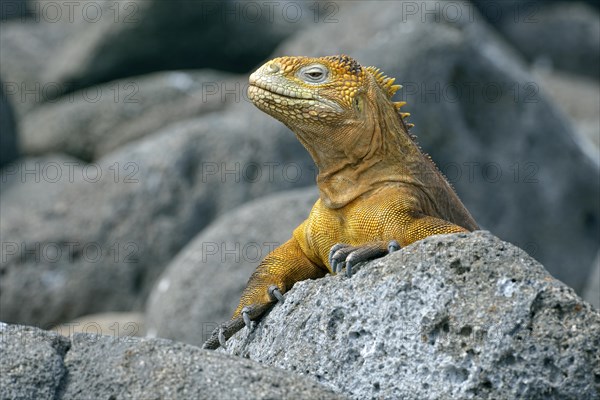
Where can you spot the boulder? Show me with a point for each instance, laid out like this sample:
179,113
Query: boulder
8,131
532,29
577,97
202,286
26,47
513,157
31,362
68,46
96,237
92,122
37,364
464,316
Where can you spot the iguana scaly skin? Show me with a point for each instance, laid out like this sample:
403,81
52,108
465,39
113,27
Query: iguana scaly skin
378,191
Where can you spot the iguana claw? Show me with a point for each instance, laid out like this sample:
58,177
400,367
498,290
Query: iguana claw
227,329
275,293
393,246
246,317
222,339
332,251
344,254
350,262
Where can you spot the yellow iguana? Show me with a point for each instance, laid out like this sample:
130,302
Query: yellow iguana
378,191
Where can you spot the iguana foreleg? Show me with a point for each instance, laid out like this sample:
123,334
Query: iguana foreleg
275,275
415,226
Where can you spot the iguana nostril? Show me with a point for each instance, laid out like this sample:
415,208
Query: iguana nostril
273,68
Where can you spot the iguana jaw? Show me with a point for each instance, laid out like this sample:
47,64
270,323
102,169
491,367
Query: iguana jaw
276,98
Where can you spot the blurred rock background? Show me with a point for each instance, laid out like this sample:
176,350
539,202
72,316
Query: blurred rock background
127,142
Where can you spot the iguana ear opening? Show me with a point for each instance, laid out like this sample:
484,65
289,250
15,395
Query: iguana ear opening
359,103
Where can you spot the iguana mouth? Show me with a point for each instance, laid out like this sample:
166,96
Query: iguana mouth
277,91
269,92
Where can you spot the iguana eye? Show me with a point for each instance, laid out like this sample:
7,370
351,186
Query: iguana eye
313,73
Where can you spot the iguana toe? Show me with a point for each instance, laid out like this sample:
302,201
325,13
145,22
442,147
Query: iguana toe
342,255
246,317
333,250
222,339
275,294
362,253
393,246
226,330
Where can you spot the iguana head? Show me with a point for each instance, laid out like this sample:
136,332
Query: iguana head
340,111
317,94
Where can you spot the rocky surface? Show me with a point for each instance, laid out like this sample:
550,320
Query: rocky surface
31,362
106,117
37,364
26,48
97,238
532,29
579,98
463,316
202,286
513,157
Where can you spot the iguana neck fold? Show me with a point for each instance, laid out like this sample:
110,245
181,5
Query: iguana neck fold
356,159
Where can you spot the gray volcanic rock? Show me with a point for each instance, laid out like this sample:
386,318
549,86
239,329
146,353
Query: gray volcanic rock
514,158
532,29
25,50
464,316
37,364
31,362
97,238
202,286
578,98
91,123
